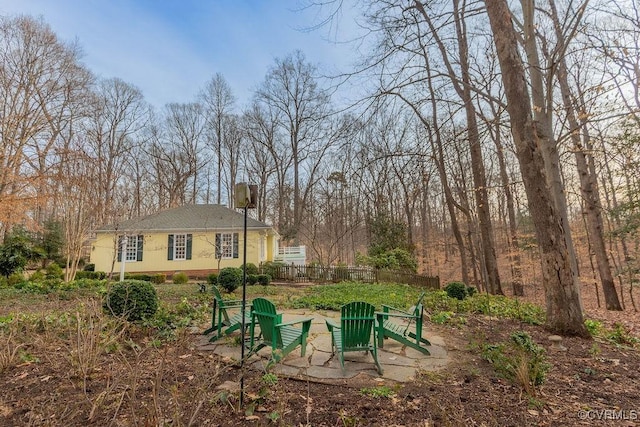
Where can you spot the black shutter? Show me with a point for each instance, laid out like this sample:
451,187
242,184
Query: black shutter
218,248
235,245
170,248
120,248
189,245
140,247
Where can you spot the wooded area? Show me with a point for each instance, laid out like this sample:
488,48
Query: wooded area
503,135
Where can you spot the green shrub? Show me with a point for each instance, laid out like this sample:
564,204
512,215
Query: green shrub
212,279
252,279
180,278
89,267
519,360
251,268
138,276
89,283
15,278
133,299
621,335
93,275
54,271
37,276
441,317
159,278
264,279
593,326
272,268
230,278
457,290
471,291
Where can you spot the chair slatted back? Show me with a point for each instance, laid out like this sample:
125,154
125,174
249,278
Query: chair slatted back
264,313
356,323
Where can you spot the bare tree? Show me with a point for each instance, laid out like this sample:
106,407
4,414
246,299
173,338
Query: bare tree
261,131
41,83
588,179
564,307
118,114
176,145
218,101
291,91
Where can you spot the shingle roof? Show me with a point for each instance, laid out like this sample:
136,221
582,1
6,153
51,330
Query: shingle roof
188,217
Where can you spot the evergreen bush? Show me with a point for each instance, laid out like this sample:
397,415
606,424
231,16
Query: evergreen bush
457,290
180,278
251,268
252,279
230,278
94,275
133,299
264,279
54,271
159,278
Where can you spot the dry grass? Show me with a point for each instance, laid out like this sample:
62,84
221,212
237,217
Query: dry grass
9,351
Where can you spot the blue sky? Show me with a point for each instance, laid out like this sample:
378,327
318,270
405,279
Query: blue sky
170,48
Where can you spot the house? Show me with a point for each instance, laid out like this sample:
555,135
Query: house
195,239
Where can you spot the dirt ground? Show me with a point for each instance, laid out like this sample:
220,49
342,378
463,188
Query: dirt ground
591,383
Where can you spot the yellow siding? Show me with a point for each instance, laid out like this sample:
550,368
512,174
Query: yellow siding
154,258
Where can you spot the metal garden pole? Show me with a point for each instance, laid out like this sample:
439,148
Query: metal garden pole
244,303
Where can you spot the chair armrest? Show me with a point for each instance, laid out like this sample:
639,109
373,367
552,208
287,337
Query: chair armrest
331,325
403,316
386,309
293,322
228,302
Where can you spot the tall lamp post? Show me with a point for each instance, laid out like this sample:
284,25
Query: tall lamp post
246,197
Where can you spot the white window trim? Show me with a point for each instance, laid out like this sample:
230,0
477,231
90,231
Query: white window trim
226,245
182,246
131,249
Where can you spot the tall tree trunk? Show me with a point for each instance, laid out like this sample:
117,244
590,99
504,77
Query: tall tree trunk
542,115
477,164
588,181
563,304
477,161
514,252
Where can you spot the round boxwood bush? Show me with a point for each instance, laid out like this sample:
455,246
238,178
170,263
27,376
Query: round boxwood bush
264,279
133,299
252,279
180,278
230,278
159,278
457,290
251,268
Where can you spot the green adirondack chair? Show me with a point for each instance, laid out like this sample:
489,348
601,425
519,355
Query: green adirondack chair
283,338
356,331
409,334
226,316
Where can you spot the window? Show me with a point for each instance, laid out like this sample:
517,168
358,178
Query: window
226,245
133,250
179,247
